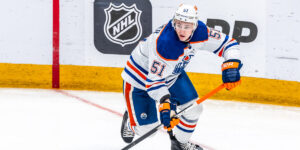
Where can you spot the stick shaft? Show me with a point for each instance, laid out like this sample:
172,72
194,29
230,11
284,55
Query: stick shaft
214,91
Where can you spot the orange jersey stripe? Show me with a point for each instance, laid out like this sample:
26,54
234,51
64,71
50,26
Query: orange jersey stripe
147,86
221,52
127,97
136,70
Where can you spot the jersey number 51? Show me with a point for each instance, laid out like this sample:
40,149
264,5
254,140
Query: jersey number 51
157,68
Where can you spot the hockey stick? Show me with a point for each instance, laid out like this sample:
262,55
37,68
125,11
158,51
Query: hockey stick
200,100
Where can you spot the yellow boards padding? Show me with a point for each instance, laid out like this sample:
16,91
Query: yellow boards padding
252,89
25,75
91,78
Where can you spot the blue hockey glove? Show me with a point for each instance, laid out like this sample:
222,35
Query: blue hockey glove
231,73
165,109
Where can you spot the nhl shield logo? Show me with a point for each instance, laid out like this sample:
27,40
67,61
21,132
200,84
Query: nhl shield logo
122,25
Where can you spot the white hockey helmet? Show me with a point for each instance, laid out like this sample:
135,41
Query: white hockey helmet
186,13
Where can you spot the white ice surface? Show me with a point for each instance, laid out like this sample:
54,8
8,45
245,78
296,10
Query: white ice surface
35,119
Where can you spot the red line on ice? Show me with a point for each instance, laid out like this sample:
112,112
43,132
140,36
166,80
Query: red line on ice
89,102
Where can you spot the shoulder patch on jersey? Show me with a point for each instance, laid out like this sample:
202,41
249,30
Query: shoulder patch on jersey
168,45
200,34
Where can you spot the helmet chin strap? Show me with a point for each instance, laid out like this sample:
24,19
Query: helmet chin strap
187,40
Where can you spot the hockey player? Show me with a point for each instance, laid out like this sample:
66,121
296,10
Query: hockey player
154,73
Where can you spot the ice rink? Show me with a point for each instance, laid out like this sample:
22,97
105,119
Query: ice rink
37,119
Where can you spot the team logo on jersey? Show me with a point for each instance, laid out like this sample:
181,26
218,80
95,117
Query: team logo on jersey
180,66
122,25
143,115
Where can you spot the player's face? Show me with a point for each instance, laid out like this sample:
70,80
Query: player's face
183,29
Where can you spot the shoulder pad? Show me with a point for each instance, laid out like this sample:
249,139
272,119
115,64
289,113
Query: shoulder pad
201,33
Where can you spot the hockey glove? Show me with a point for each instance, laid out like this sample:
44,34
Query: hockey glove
166,109
231,73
